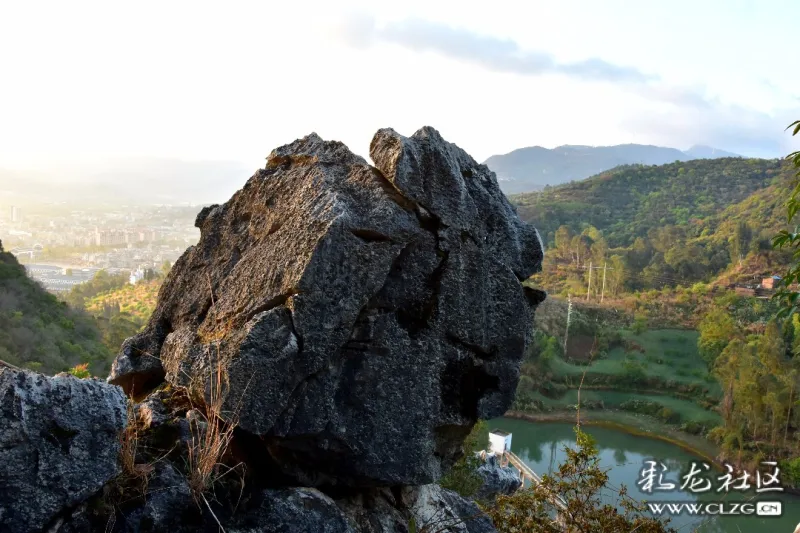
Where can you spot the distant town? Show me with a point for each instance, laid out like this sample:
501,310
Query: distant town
62,248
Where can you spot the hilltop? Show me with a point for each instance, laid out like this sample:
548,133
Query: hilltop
533,168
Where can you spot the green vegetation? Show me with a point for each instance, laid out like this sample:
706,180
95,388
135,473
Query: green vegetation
657,331
462,477
655,373
791,239
120,309
582,484
665,226
123,311
41,333
628,202
81,371
81,334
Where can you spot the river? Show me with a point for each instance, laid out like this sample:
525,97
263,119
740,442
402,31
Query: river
541,446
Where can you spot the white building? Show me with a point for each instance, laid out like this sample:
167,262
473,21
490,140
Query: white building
16,214
137,276
499,442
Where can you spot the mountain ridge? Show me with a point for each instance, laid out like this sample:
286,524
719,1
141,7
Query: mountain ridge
534,167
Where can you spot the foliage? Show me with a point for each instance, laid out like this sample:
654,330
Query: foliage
462,477
759,377
716,330
101,282
39,332
791,471
791,239
644,227
122,312
81,371
628,202
581,482
639,325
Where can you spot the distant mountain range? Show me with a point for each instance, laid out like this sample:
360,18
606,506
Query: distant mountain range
149,180
532,168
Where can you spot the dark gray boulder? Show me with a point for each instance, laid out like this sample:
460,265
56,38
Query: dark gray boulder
168,507
429,508
294,510
438,509
497,479
362,318
59,444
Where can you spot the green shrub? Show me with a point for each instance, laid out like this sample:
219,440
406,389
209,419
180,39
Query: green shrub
553,390
791,471
669,416
81,371
639,325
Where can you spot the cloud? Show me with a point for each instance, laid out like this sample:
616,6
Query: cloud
507,56
492,53
694,116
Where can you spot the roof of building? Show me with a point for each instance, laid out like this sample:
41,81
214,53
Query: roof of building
500,432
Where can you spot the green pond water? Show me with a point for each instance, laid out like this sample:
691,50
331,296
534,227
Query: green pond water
541,446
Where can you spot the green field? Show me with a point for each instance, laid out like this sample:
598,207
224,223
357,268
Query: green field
659,373
669,355
688,410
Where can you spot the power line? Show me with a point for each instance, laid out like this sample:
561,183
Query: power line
569,315
589,290
603,291
633,274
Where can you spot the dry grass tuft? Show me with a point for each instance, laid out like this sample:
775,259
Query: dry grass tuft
133,473
211,432
211,437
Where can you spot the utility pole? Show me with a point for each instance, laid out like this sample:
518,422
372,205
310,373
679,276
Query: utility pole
603,291
569,315
589,290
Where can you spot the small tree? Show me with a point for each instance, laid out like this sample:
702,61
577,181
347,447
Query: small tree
462,477
581,482
639,325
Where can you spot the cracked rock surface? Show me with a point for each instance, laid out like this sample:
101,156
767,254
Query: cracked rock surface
59,444
363,317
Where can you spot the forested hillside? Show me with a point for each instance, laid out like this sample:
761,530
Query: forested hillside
665,225
38,331
122,311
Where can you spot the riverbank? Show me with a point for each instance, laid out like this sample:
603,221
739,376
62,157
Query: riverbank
632,424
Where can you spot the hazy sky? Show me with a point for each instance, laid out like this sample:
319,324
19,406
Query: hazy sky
232,80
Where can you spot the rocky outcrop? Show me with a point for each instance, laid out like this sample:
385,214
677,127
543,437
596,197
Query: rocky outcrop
329,292
497,479
301,510
314,363
59,444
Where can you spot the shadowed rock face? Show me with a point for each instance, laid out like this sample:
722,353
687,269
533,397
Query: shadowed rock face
363,317
59,444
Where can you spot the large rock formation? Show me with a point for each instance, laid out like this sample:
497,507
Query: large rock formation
363,318
59,444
